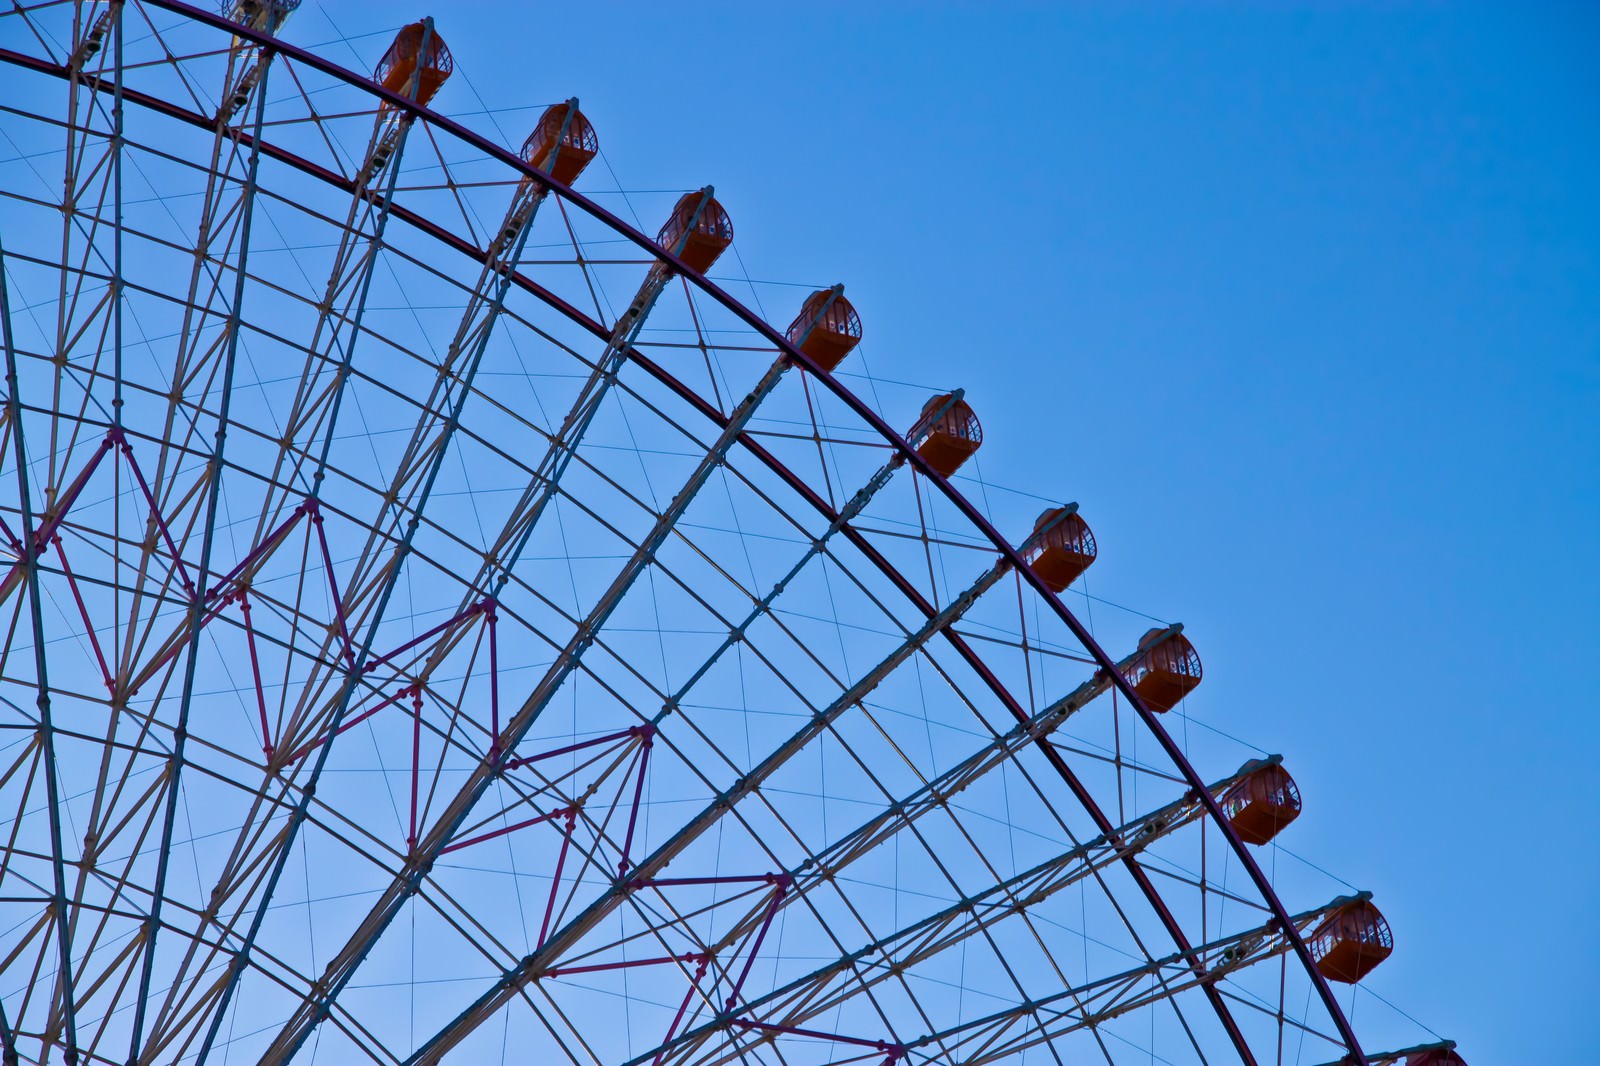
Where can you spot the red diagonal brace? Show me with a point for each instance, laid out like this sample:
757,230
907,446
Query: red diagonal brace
64,504
416,760
627,964
567,812
373,664
255,671
83,612
155,512
494,681
47,530
268,543
352,723
528,760
782,882
683,1008
889,1047
555,882
333,584
227,587
638,793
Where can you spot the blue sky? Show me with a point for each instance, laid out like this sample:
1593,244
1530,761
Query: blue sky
1298,301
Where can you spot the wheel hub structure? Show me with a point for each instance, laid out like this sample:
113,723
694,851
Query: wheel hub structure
441,624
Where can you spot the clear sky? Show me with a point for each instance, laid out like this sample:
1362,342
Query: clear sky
1300,302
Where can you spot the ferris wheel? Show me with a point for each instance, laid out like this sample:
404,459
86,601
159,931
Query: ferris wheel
443,625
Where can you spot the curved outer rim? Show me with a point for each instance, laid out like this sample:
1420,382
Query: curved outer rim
857,407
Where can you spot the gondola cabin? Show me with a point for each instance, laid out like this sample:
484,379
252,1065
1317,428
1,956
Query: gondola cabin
573,143
1261,803
827,328
1351,942
416,64
699,230
1164,670
1061,548
946,434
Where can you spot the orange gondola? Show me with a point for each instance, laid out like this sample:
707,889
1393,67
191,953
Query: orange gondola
702,228
574,149
827,328
946,433
1061,549
1163,671
1261,803
398,69
1351,942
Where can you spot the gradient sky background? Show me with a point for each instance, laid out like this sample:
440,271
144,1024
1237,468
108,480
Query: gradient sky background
1302,304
